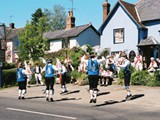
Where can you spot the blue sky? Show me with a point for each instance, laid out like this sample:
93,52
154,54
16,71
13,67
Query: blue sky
86,11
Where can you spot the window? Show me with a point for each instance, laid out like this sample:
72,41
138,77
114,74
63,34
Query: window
65,43
118,35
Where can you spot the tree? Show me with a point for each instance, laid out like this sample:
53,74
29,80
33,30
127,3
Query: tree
36,16
32,45
56,17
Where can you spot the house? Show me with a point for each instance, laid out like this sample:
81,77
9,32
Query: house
12,43
132,27
72,35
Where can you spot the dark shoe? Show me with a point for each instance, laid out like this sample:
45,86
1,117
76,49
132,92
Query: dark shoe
128,97
47,99
91,100
94,100
23,98
65,91
51,99
19,97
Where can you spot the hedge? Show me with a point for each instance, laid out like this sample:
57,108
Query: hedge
9,77
142,78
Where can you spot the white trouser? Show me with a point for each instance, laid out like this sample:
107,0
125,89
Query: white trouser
29,77
38,77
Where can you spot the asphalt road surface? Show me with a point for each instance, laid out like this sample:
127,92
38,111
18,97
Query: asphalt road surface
74,108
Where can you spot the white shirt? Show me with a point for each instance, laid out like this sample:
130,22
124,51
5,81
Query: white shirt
125,63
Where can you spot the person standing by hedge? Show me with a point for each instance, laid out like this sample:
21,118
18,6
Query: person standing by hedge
127,74
37,73
21,79
49,79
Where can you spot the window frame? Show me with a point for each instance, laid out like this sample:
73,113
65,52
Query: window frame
121,38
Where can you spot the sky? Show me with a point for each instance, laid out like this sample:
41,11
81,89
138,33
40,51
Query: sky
85,11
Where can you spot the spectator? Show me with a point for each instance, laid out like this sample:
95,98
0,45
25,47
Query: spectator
108,76
37,73
153,65
138,62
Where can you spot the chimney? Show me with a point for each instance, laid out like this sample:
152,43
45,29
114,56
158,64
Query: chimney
106,9
11,25
70,21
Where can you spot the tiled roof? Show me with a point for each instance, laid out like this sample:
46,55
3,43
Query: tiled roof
11,33
148,10
149,41
66,32
132,11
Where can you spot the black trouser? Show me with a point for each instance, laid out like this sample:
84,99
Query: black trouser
49,83
93,82
22,85
64,79
127,77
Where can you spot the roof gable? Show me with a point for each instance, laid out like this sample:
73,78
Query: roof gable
73,32
148,10
128,8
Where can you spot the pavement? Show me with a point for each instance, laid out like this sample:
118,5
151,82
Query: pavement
142,95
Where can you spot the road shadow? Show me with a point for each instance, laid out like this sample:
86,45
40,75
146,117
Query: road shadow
32,86
66,99
103,93
36,97
136,96
70,92
111,102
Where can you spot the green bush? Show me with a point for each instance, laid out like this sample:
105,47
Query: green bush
154,79
145,78
9,77
139,78
8,65
75,74
120,77
81,78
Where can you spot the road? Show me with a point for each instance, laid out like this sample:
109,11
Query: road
75,106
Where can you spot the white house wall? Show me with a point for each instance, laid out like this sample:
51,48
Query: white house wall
153,28
120,20
89,36
73,42
55,45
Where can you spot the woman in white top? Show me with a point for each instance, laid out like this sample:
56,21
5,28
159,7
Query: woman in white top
138,62
153,65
